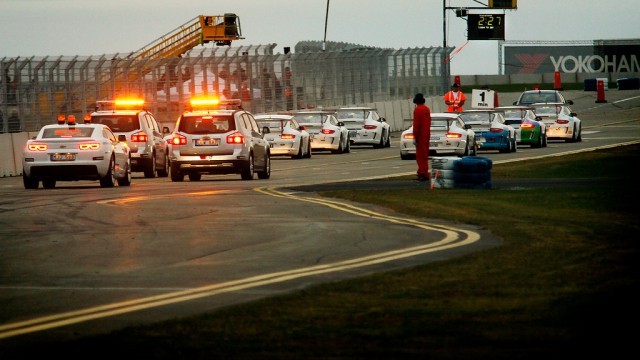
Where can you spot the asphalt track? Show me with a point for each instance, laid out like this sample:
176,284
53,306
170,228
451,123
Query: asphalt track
78,260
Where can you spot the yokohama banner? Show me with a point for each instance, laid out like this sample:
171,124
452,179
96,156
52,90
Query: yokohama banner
571,59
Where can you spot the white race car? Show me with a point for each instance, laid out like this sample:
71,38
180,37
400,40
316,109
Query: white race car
286,136
67,151
366,126
449,135
561,122
326,132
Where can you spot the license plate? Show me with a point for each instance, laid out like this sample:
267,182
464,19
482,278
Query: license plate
353,133
63,157
435,138
480,139
206,142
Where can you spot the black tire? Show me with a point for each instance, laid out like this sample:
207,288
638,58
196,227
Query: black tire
247,171
195,176
579,138
109,179
387,142
48,183
176,174
544,140
266,172
29,182
300,154
514,145
347,148
164,172
407,157
474,148
308,154
126,180
537,144
150,171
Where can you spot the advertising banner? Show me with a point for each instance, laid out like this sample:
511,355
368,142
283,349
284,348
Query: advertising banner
571,59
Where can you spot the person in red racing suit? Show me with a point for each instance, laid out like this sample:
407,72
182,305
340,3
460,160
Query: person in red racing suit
422,135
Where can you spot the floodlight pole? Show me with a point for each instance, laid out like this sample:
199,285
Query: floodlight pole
326,20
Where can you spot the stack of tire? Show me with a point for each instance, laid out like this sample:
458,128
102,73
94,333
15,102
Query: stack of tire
468,172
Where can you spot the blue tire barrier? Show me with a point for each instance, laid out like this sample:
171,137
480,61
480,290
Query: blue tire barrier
472,178
628,83
473,164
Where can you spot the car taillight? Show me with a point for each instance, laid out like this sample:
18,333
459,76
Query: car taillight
89,146
139,137
370,127
235,138
328,131
287,136
562,121
408,136
496,130
178,140
37,147
453,136
526,126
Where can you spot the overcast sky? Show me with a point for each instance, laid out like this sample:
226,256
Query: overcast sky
95,27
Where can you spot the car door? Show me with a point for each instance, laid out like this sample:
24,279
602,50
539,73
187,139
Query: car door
159,144
258,143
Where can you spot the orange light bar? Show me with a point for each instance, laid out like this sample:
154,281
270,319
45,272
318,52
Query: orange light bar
71,120
129,103
87,118
61,119
204,102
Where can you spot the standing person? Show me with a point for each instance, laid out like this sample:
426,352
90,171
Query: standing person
422,135
455,98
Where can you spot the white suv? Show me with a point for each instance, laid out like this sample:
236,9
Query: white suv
217,137
128,117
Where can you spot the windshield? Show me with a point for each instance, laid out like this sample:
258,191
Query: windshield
539,97
274,125
351,115
206,124
476,118
66,132
310,118
118,123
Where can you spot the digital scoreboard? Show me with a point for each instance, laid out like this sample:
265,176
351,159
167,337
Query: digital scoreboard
485,26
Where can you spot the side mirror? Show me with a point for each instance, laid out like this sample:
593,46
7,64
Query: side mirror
265,130
340,123
570,102
467,126
573,114
122,138
165,130
515,103
383,119
302,127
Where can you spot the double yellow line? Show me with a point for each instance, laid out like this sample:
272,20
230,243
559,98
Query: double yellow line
452,238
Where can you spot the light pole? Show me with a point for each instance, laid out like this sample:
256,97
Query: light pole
326,20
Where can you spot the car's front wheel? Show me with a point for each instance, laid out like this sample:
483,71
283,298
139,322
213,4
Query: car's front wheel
126,180
266,172
108,180
247,171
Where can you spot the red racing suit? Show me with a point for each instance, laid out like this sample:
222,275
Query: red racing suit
422,137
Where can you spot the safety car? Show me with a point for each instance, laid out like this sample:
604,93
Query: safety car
68,151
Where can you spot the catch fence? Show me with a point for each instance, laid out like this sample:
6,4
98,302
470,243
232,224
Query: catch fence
34,91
